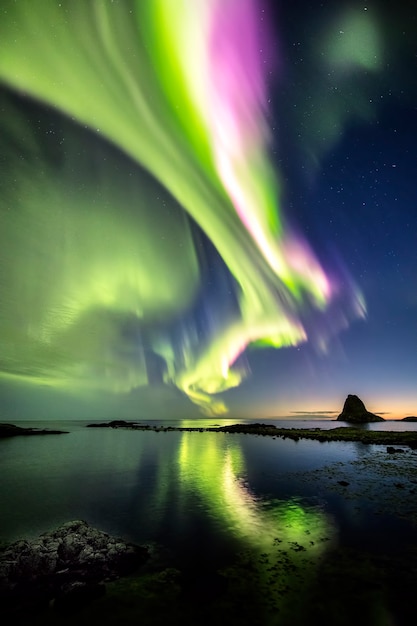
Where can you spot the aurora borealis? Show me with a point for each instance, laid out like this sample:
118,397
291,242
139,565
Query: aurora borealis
148,228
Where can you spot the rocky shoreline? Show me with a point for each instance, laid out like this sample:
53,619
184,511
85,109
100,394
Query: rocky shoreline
65,568
342,433
77,573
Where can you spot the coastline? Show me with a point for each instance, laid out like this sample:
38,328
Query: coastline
287,581
343,433
296,575
11,430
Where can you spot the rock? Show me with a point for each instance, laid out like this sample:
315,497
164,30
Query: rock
10,430
355,411
86,554
392,450
71,546
67,565
344,483
112,424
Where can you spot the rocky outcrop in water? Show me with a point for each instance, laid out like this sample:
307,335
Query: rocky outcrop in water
10,430
67,566
343,433
392,450
112,424
354,411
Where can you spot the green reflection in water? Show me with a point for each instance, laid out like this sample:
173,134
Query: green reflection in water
282,541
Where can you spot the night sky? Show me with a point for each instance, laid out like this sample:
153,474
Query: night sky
208,212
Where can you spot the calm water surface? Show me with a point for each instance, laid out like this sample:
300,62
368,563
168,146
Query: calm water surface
194,493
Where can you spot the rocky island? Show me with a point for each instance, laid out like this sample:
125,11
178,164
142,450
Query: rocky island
354,411
10,430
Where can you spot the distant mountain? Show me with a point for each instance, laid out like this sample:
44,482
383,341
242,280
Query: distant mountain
410,418
354,411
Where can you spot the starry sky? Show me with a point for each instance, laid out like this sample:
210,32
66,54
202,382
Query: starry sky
228,232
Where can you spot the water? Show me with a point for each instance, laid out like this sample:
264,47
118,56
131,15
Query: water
148,486
324,424
205,497
143,485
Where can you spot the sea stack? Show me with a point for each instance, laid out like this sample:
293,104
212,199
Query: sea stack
354,411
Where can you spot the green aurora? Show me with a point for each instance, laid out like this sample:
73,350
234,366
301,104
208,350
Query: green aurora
98,260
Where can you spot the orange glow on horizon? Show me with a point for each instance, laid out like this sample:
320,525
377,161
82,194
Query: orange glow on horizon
387,407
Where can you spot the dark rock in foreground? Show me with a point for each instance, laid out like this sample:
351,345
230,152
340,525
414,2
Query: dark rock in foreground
410,418
354,411
10,430
67,565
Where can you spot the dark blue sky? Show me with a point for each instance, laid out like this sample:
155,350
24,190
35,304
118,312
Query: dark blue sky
356,198
364,205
